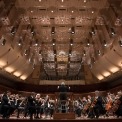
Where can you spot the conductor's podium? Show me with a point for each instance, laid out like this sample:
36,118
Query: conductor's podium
64,116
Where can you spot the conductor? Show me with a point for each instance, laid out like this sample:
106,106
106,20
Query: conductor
63,89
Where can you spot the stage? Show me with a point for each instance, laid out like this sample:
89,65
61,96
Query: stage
110,119
88,120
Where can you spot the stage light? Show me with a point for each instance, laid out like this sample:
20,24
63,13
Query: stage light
72,30
53,30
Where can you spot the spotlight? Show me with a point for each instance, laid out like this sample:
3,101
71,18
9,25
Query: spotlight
72,30
13,30
113,31
53,30
120,43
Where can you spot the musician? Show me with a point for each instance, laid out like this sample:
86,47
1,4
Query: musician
5,105
20,104
38,106
31,105
47,106
119,104
98,107
63,89
78,106
13,104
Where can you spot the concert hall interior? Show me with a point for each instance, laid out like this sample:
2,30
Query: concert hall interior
61,60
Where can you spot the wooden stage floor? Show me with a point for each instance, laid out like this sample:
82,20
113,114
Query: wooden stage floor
14,119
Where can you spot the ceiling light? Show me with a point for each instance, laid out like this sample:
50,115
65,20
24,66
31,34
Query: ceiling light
84,1
9,69
40,0
106,74
100,77
17,74
72,11
72,30
52,11
2,63
23,77
114,69
53,30
62,0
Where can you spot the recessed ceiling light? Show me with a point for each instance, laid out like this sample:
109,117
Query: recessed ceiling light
52,11
31,11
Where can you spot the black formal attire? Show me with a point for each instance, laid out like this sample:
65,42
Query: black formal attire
38,108
31,106
99,108
119,110
63,92
5,106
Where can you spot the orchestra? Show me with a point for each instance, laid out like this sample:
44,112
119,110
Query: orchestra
35,106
